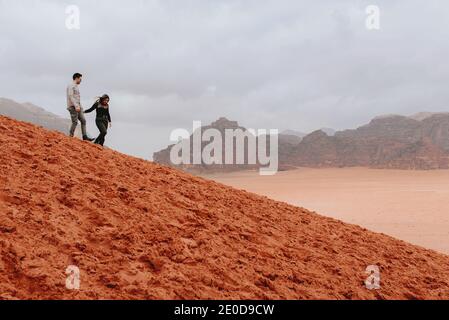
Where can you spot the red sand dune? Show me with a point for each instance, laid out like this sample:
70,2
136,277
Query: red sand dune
138,230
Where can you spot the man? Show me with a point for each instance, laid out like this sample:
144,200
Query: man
74,107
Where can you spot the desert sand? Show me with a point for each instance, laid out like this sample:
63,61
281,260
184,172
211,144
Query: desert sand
407,204
138,230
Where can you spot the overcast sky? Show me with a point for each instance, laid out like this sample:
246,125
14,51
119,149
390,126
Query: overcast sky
285,64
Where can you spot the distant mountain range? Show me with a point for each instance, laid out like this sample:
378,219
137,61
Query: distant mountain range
33,114
386,142
420,142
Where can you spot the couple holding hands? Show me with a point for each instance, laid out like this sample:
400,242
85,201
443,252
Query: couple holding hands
101,106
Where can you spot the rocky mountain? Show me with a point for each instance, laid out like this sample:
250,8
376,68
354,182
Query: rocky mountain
423,115
34,114
221,125
386,142
298,134
292,139
417,116
138,230
392,141
328,131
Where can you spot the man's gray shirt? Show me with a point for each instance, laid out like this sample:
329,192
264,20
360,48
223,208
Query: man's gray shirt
73,96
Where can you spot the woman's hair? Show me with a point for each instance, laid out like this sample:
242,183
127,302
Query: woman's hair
103,97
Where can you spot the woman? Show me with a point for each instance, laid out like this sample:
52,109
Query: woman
103,118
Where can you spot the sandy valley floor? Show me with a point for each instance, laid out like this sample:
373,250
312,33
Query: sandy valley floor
409,205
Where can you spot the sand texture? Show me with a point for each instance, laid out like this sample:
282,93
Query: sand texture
138,230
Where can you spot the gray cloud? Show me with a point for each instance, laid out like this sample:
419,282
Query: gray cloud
268,64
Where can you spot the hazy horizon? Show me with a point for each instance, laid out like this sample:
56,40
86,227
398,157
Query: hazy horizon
286,65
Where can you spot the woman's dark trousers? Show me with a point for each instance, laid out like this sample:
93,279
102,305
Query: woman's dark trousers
102,125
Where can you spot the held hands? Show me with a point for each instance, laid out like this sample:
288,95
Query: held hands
78,109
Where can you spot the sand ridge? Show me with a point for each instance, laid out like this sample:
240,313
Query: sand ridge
138,230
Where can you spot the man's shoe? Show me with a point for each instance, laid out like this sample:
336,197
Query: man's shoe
87,138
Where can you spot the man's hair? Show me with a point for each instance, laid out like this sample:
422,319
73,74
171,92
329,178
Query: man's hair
77,75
